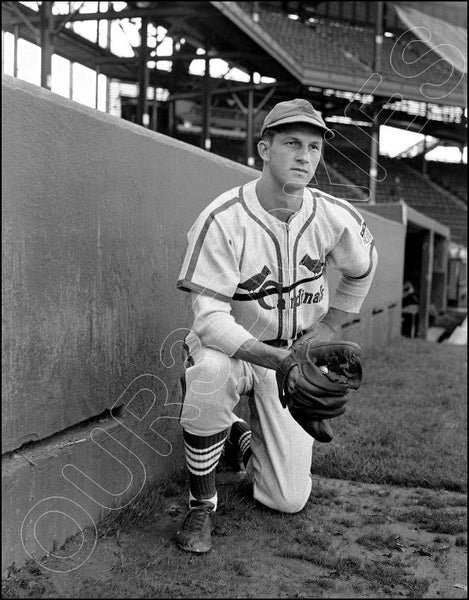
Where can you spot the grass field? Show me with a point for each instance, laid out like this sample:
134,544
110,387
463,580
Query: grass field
358,537
407,425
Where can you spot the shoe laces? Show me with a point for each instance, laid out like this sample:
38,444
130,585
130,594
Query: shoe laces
196,518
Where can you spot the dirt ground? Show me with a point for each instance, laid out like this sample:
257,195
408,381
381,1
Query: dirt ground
353,540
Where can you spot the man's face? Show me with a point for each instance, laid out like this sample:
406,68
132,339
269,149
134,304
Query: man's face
293,156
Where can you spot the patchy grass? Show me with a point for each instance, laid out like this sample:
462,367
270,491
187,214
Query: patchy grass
240,567
382,574
431,500
407,428
322,494
314,540
417,586
375,519
381,540
146,506
437,521
321,583
259,552
28,582
408,421
385,573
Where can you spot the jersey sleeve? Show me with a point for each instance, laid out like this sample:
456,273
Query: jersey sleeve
210,265
356,257
215,325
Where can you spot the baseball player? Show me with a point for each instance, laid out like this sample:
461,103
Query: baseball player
256,268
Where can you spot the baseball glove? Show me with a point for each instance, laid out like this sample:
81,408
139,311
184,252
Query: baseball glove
319,389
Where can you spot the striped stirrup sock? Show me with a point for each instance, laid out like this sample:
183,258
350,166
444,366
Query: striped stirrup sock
202,456
240,435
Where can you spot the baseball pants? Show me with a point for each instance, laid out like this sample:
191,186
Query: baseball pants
213,383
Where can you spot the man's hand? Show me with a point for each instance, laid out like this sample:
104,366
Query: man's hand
261,354
325,329
292,378
319,332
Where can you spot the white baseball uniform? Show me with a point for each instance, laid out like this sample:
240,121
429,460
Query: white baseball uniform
253,275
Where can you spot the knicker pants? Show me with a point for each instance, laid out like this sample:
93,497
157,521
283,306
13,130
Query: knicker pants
280,464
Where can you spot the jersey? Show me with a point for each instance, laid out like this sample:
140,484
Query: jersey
274,274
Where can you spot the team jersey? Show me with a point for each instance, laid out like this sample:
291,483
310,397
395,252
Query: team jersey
272,273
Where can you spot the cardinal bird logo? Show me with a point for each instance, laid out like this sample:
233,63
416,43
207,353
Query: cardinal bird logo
256,280
313,265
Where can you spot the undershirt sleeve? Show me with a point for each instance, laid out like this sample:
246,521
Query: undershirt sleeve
215,326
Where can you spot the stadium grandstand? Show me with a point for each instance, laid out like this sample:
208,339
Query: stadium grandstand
365,65
121,121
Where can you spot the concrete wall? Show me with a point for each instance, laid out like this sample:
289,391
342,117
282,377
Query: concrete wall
95,215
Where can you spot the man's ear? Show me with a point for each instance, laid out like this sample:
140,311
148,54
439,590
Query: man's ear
263,149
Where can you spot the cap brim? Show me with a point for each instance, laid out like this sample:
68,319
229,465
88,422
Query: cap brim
301,119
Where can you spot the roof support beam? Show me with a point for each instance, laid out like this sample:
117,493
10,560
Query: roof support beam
231,89
31,24
183,56
110,15
47,43
250,129
374,150
142,104
68,18
206,102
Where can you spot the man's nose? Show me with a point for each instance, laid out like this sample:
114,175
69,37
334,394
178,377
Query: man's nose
303,155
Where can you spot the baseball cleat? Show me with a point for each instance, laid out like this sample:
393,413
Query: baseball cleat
195,534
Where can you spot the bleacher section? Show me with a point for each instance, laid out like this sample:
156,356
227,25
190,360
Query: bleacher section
451,176
317,48
397,181
342,47
332,182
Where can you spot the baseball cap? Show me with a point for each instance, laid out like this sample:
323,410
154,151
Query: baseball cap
298,110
